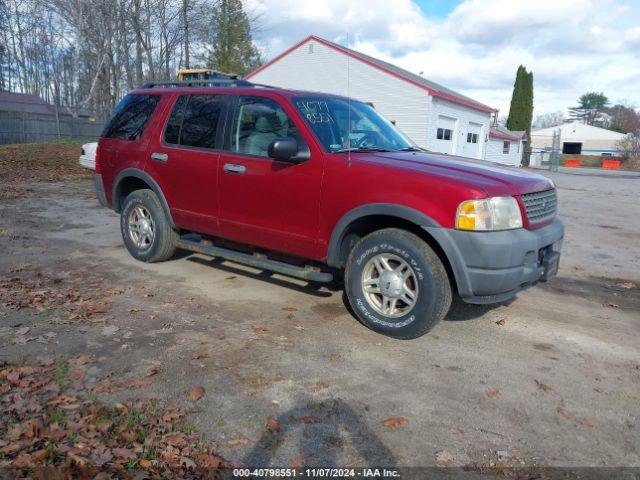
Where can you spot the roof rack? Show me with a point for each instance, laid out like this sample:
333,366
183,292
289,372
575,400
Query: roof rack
214,82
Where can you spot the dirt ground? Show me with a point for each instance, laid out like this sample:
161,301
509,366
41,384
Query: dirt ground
552,379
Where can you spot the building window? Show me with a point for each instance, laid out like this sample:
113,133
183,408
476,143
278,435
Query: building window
472,137
505,147
444,134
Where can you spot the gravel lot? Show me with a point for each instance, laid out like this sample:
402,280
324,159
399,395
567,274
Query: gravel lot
551,379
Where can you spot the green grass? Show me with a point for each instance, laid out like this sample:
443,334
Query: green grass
61,370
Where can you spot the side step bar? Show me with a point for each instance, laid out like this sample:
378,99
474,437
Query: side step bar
195,243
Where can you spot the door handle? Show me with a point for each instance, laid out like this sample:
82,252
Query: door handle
237,169
160,157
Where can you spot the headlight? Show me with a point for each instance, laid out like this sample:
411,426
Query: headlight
497,213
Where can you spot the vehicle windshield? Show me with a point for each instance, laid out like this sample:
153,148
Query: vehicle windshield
343,125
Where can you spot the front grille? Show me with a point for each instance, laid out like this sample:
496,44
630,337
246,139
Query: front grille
540,206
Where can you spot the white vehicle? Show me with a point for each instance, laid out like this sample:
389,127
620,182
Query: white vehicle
88,155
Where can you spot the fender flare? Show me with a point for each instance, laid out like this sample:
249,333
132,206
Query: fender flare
145,177
389,209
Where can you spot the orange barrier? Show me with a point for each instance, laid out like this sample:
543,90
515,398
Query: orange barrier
572,162
611,164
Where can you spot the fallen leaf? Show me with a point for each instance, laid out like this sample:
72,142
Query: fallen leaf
493,392
335,357
501,322
297,462
34,428
200,356
626,285
10,449
544,387
563,412
209,461
186,462
328,317
613,305
278,378
137,383
152,371
124,453
83,359
316,388
177,440
195,393
237,441
589,423
144,463
395,422
309,420
290,309
171,415
259,329
23,461
273,425
135,310
444,457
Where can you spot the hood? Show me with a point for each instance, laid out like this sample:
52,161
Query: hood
493,178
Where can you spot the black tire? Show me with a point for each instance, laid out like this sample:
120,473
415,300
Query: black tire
163,245
433,285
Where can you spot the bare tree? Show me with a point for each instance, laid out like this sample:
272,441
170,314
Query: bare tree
630,146
547,120
85,54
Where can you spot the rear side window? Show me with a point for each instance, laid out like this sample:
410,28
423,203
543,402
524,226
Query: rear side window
194,121
131,117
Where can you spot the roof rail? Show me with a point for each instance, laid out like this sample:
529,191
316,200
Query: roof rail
214,82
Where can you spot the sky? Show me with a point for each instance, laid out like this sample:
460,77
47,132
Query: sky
475,46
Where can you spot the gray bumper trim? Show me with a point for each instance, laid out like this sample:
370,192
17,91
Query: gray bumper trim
97,182
492,267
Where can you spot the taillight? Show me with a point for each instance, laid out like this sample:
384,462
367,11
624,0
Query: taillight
97,158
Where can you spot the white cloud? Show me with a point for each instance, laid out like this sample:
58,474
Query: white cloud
572,46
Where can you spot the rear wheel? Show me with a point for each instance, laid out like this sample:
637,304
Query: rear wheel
396,284
145,228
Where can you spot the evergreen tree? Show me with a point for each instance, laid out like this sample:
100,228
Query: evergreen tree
232,49
590,108
521,109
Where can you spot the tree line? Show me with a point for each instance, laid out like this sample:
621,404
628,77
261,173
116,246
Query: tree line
84,55
594,108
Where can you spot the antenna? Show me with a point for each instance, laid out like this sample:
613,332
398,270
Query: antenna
348,109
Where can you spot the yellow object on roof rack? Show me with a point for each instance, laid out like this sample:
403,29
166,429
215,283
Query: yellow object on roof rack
203,74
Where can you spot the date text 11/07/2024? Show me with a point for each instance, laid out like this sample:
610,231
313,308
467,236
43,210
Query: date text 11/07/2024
316,472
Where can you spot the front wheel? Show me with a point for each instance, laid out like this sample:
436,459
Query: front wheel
145,228
396,284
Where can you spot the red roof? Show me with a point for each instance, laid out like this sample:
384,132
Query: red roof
433,88
505,136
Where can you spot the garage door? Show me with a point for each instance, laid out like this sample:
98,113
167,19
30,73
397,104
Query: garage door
472,142
445,135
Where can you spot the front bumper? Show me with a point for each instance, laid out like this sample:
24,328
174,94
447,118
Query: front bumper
97,182
492,267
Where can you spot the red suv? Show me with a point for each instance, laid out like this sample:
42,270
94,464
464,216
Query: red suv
309,185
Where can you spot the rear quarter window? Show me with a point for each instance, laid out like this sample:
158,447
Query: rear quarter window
131,117
194,121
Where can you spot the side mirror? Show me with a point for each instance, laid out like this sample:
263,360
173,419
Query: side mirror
283,149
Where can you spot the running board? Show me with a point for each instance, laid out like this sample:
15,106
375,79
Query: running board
195,243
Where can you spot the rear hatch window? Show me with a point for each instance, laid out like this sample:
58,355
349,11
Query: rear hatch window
131,117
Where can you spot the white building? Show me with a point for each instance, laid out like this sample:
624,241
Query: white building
435,117
578,138
505,146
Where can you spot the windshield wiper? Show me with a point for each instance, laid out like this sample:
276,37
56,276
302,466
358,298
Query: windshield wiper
412,149
362,149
